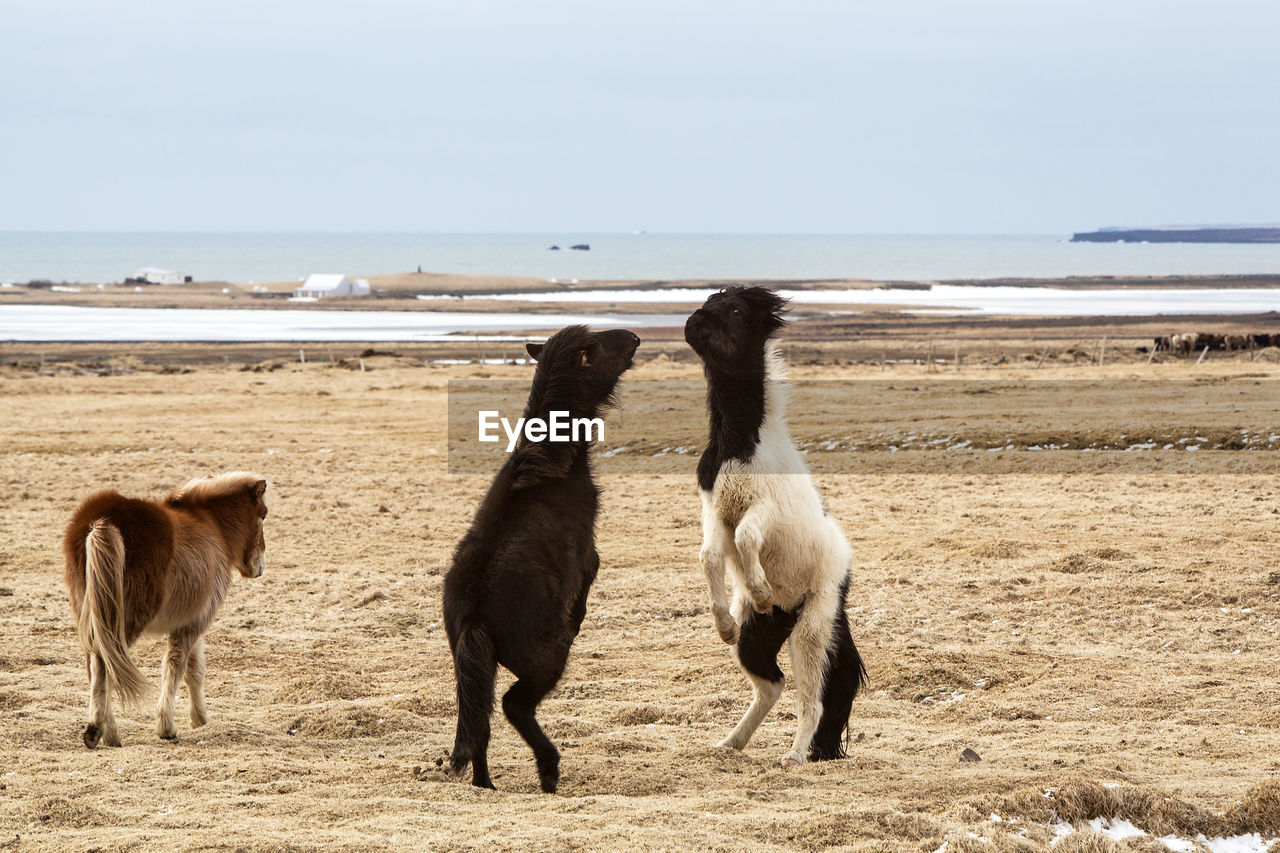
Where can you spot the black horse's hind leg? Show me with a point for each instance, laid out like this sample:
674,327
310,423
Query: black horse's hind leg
480,760
520,703
475,666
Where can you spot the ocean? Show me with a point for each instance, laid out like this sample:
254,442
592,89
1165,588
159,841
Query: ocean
97,257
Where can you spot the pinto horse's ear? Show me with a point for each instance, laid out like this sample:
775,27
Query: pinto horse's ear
534,350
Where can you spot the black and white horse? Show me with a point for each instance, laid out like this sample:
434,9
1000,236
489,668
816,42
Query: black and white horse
763,520
517,591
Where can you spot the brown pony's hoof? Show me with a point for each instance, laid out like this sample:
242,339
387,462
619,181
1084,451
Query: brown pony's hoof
92,735
173,738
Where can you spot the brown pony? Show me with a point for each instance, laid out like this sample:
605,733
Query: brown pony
163,568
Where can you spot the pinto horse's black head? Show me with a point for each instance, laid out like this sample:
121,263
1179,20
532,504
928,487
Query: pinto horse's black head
732,326
578,369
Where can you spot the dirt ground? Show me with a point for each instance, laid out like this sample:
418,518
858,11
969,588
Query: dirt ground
1105,642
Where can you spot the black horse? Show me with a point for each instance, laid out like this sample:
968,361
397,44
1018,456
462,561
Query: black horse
517,591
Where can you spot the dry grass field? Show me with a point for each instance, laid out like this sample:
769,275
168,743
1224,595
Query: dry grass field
1106,642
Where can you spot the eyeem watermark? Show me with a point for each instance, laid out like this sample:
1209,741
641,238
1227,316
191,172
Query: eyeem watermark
559,427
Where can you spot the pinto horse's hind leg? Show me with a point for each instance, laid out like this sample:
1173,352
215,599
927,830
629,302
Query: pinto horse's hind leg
195,684
102,725
809,659
760,638
174,668
520,704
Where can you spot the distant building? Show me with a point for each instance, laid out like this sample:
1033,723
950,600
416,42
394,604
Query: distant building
155,275
328,285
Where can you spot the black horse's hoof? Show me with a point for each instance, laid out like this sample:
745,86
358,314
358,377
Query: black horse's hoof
549,782
92,735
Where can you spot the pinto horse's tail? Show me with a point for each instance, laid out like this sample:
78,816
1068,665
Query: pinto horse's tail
475,665
100,623
846,675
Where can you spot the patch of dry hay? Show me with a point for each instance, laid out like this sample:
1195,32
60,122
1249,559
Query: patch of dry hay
350,721
640,715
1001,549
325,687
1078,800
63,812
1258,811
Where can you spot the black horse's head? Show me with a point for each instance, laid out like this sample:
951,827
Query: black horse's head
732,326
578,369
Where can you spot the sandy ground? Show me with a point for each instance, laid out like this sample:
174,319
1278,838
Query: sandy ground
1106,642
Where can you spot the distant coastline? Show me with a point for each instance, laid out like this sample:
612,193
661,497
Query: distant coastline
1207,234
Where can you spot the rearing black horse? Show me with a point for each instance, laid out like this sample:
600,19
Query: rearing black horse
517,591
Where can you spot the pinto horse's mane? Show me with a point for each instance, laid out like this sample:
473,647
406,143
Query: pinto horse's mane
204,490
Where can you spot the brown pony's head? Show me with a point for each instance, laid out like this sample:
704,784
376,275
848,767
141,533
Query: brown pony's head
255,556
238,502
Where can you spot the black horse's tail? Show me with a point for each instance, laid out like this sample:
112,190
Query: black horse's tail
846,675
474,666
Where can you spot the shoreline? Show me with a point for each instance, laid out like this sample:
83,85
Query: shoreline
399,292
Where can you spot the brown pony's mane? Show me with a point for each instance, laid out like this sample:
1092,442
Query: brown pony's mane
204,490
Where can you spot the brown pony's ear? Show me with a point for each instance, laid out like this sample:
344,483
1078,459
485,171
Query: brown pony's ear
534,350
259,489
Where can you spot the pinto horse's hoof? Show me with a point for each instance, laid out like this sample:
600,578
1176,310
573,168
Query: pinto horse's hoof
789,761
92,736
730,635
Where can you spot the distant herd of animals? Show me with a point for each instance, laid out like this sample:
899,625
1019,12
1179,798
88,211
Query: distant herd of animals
1189,342
516,593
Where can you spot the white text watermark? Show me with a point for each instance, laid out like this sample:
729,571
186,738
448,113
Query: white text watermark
558,427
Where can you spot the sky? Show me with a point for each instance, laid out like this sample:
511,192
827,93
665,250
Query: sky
720,116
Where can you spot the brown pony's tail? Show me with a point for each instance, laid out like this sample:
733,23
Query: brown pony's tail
101,620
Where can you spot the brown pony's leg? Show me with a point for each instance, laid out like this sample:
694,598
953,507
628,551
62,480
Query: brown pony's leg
102,726
195,683
174,667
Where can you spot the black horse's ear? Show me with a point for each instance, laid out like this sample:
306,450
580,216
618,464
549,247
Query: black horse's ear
534,350
583,359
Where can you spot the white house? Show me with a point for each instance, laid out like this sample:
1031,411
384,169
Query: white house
325,285
155,275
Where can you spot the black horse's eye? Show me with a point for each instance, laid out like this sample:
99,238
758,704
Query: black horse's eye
737,312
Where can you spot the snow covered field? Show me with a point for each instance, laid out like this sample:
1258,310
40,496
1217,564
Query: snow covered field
73,323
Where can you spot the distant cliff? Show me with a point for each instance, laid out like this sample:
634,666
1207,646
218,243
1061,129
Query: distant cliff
1261,234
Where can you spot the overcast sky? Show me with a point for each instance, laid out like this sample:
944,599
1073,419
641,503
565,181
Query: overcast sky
903,116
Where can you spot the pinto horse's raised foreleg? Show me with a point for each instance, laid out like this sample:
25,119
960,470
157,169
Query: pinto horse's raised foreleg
715,537
176,657
102,725
748,538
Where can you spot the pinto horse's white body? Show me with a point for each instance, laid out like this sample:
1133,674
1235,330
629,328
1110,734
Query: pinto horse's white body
764,522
